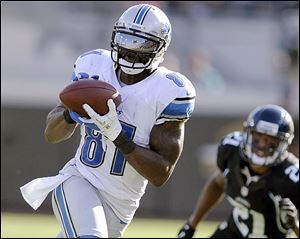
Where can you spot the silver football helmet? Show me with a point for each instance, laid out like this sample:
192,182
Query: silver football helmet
140,38
271,120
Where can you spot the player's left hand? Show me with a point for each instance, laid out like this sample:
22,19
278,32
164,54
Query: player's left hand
108,124
288,213
83,121
186,231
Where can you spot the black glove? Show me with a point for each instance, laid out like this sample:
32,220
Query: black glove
186,231
288,213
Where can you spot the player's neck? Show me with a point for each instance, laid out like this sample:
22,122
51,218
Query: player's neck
132,79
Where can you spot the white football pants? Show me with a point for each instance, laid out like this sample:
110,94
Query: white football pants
82,212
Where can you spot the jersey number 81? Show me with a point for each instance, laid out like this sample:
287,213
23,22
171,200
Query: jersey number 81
93,155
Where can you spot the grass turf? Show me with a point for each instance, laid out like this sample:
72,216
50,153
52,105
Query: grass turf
19,225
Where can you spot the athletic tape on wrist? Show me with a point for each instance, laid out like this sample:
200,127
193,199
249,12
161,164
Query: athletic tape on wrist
124,144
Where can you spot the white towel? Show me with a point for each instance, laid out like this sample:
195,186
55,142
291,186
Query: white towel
36,191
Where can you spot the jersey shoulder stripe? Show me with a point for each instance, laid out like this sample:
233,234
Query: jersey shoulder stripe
179,109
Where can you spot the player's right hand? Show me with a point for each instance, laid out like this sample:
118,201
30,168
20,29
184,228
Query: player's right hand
288,213
186,231
109,123
88,123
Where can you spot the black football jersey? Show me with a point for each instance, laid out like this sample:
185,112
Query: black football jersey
254,197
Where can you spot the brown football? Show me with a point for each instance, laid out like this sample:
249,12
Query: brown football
96,93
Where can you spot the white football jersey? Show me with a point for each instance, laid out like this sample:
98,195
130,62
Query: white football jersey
162,96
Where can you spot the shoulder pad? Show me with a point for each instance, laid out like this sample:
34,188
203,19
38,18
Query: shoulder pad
178,93
229,149
88,63
234,138
293,159
98,52
182,82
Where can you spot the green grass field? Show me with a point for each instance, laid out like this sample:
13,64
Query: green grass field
14,225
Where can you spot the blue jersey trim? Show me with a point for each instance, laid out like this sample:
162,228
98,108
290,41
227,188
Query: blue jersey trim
179,109
64,213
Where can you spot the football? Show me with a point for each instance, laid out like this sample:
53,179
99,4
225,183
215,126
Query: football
96,93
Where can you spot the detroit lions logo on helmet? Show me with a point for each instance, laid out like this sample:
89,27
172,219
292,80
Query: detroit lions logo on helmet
166,28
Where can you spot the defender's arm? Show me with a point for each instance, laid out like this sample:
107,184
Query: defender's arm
212,193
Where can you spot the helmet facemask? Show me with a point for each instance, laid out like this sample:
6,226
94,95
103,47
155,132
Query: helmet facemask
273,121
140,38
134,52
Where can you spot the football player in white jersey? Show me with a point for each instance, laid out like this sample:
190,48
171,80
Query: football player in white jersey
98,191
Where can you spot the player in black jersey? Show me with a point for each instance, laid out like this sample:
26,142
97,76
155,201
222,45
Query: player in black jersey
258,176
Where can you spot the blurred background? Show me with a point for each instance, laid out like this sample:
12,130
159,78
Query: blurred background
238,55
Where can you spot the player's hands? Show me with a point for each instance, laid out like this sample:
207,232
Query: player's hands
186,231
83,121
88,123
288,213
108,124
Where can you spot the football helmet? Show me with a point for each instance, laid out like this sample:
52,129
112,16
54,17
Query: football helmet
140,38
271,120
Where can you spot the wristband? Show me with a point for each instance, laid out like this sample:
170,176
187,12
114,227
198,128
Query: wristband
124,144
67,117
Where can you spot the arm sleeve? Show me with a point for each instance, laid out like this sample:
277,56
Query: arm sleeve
180,109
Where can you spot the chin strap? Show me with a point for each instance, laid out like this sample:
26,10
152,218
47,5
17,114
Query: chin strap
131,71
127,67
